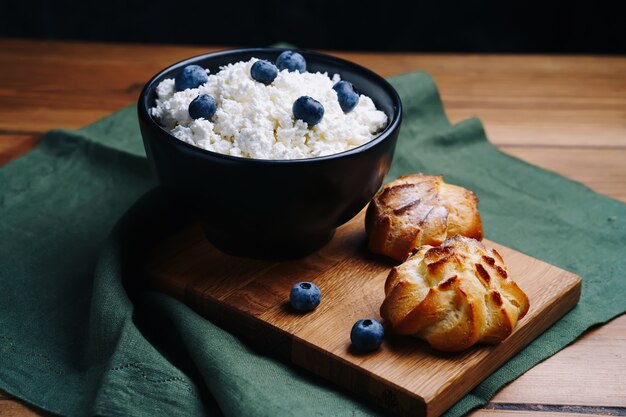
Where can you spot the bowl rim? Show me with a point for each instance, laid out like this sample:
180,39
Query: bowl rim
391,127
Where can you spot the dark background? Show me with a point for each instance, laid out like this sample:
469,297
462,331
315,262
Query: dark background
445,26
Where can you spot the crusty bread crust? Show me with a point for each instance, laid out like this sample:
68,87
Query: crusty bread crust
416,210
453,296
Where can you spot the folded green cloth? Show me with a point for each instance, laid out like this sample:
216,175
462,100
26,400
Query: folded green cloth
79,336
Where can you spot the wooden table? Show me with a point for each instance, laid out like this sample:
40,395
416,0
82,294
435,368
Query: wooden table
564,113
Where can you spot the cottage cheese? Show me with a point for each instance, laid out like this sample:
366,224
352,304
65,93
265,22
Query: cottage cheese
256,121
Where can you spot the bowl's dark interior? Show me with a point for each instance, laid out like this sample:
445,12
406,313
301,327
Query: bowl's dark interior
365,81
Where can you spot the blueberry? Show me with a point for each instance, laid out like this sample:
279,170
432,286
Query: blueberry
305,296
367,335
263,71
308,110
291,61
192,76
203,107
348,98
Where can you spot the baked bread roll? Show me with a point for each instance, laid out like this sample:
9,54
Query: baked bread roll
453,296
416,210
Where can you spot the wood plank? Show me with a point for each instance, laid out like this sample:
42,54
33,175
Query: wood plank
535,413
36,95
558,100
603,170
16,408
249,297
13,146
564,100
590,372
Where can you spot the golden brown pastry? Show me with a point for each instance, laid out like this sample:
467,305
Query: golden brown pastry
419,209
453,296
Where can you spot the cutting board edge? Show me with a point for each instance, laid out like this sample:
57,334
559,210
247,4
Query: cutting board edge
556,310
287,344
406,403
397,399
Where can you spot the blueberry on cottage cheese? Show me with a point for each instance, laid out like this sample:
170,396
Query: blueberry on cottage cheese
254,121
308,110
305,296
367,335
347,97
263,71
202,107
291,61
192,76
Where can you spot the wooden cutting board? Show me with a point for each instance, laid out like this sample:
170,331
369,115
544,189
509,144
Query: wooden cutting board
250,298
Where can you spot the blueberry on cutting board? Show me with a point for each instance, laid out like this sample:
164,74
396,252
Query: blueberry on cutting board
192,76
291,61
305,296
203,107
263,71
308,110
367,335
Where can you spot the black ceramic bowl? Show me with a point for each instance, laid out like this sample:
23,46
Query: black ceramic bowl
272,209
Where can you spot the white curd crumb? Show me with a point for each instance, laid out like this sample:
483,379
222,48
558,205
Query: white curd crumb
256,121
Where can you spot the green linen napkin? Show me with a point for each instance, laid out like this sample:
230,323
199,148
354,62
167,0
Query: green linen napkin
78,336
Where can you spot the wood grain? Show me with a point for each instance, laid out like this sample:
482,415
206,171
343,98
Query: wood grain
13,146
250,298
10,408
538,100
564,113
590,372
539,412
564,100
